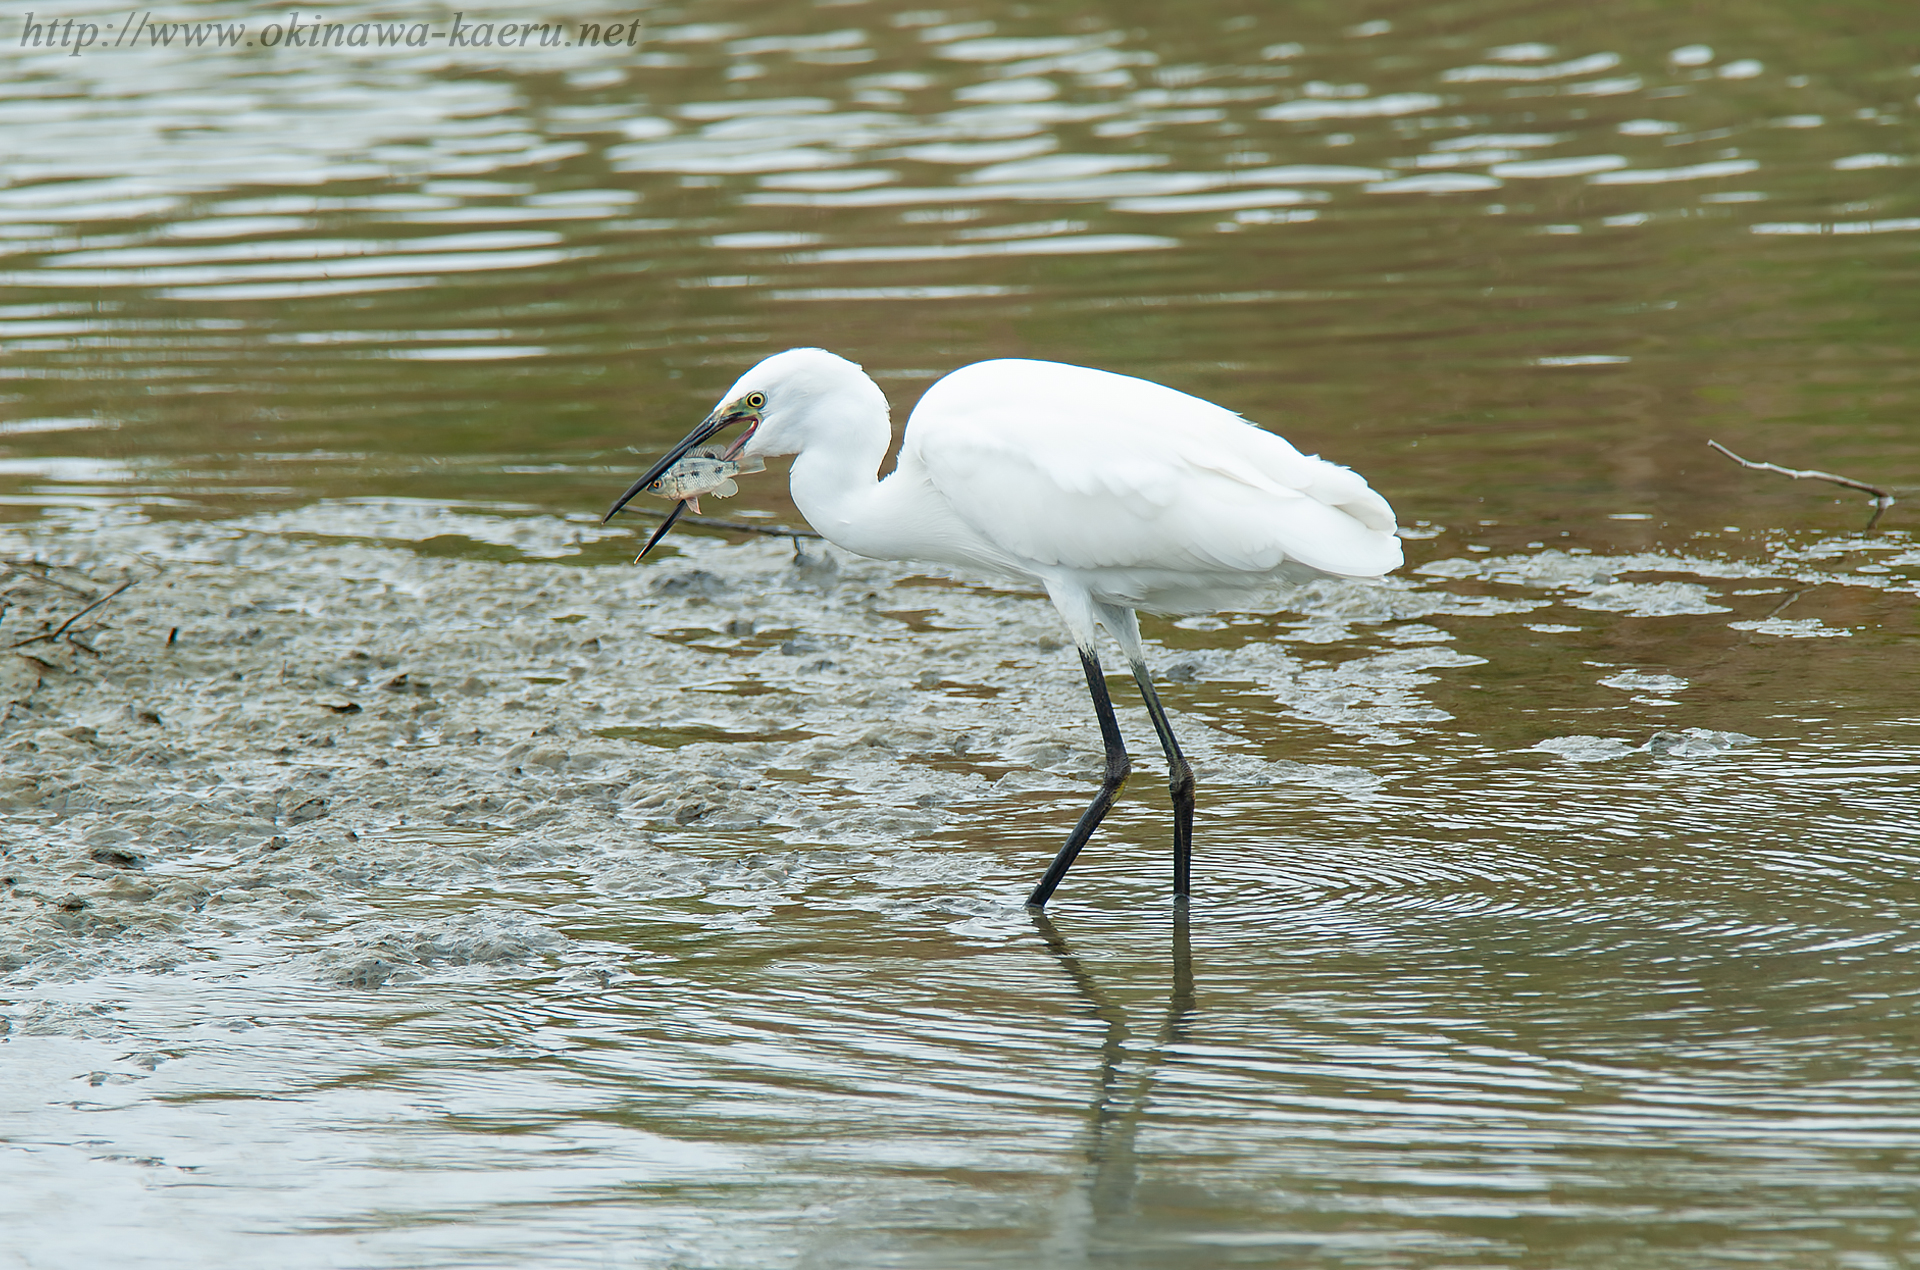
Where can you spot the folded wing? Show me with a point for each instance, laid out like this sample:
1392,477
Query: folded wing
1081,469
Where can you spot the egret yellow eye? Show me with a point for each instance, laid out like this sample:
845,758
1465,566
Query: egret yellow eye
756,400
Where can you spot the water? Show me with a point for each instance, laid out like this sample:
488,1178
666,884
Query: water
1554,899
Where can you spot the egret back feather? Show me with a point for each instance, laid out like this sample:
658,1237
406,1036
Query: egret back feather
1164,501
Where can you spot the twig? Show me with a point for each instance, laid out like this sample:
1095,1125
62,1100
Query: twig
1775,610
1882,499
42,571
48,636
709,522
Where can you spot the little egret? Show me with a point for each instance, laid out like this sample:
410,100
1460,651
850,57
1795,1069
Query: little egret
1111,493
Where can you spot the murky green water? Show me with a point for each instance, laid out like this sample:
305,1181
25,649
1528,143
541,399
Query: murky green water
1496,981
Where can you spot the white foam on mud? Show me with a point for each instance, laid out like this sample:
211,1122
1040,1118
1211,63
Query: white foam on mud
1585,749
371,954
1640,681
1649,599
1696,743
1688,743
1791,628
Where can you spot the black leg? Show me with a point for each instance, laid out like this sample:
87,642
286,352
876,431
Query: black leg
1118,767
1179,783
1180,1005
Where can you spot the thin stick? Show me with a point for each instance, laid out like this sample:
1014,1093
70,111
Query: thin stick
62,628
40,570
709,522
1775,610
1882,499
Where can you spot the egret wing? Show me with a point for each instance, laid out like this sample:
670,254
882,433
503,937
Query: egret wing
1081,469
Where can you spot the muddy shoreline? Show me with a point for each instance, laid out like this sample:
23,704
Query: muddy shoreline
269,728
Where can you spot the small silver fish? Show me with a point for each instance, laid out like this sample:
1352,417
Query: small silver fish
702,471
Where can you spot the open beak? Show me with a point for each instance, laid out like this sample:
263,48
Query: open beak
706,429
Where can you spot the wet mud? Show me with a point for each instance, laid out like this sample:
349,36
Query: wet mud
266,730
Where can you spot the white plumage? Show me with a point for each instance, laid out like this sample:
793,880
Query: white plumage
1111,493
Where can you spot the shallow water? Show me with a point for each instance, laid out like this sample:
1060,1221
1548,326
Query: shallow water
409,880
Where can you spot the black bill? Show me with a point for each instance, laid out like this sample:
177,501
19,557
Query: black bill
661,532
707,427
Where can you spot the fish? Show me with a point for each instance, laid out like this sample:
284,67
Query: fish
702,471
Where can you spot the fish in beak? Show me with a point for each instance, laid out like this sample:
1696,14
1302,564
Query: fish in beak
673,485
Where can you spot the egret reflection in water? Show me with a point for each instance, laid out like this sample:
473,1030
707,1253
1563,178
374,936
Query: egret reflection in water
1099,1213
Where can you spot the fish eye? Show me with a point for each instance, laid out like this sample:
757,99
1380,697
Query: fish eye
756,400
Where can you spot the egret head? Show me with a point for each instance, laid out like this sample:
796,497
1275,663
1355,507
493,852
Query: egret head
782,402
802,393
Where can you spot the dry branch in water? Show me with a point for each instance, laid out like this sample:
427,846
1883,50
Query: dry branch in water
1882,499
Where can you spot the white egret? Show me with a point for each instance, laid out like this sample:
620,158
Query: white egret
1111,493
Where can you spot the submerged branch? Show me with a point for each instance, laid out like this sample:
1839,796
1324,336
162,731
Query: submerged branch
1882,499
